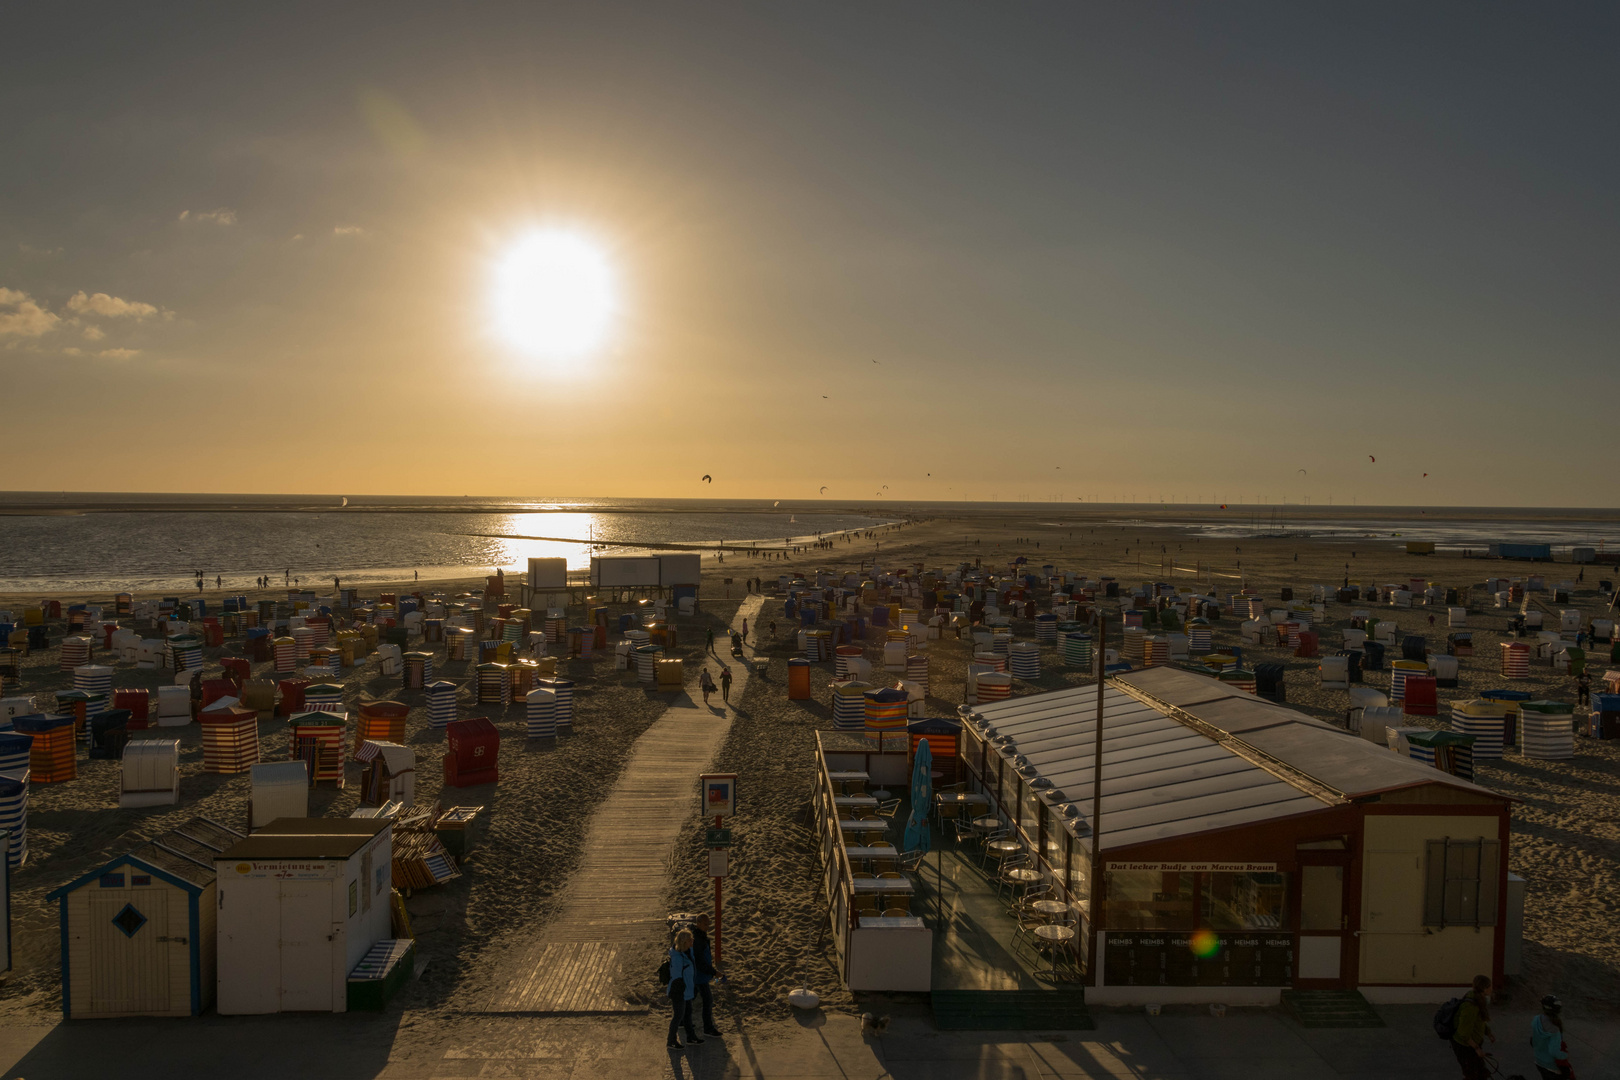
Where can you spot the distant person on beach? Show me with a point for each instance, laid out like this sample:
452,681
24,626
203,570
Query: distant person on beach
745,630
725,684
217,582
708,639
706,684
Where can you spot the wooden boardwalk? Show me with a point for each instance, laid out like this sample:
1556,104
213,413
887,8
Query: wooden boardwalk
617,895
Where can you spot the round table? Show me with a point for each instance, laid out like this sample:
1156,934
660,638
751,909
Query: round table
1049,908
1024,876
1006,847
989,821
1058,937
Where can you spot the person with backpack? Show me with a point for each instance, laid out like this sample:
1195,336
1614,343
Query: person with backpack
1547,1040
682,985
703,959
1466,1023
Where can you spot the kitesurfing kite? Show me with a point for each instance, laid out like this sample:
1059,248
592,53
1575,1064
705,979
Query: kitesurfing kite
707,479
824,491
1371,458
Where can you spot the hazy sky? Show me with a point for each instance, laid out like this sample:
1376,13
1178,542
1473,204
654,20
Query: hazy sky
1179,252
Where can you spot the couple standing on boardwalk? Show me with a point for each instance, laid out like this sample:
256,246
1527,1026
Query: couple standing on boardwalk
691,971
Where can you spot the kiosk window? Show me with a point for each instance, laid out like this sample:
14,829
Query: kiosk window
1149,900
1245,901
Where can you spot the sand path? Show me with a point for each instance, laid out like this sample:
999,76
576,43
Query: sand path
616,897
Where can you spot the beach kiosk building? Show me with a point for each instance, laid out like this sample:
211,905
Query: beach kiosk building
301,901
1246,849
138,931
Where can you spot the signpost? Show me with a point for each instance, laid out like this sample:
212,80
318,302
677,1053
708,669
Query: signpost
717,798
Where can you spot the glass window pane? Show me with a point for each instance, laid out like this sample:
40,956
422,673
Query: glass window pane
1149,900
1245,901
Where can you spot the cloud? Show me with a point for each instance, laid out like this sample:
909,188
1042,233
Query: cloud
94,333
71,351
223,216
118,354
29,249
22,316
347,230
297,237
110,306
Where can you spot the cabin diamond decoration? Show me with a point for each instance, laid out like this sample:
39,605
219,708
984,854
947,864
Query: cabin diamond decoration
129,920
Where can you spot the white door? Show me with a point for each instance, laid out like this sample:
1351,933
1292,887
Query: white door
128,946
306,946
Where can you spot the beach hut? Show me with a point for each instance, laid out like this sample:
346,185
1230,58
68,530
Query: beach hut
14,820
108,731
150,773
1486,721
441,703
380,720
230,739
16,749
389,775
1024,658
280,789
52,757
1547,730
174,706
540,714
301,903
564,690
472,753
798,679
138,931
1515,660
316,739
1333,672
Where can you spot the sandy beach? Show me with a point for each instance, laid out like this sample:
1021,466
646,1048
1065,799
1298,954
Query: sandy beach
1566,824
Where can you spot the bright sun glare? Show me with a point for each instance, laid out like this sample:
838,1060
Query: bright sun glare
555,295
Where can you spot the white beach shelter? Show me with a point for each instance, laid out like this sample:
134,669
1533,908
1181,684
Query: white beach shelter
174,705
150,773
300,903
280,790
397,780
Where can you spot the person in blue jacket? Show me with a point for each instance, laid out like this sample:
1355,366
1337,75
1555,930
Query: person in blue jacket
682,987
1547,1040
703,958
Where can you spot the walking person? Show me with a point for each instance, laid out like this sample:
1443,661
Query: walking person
745,630
725,684
706,684
1546,1039
703,960
1473,1028
682,987
709,639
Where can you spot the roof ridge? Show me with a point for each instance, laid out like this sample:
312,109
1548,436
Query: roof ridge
1283,771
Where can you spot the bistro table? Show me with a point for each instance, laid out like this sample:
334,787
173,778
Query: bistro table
863,825
1057,937
897,885
987,823
1051,909
855,800
1023,877
1006,847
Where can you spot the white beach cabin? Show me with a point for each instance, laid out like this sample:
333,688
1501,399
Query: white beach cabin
301,901
138,931
149,774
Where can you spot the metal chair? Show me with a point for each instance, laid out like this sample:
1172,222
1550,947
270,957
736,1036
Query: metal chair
1004,879
888,808
963,830
910,861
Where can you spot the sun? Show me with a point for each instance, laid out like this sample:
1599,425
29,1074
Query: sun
555,295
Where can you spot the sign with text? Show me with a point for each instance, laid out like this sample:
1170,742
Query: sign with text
717,837
718,793
717,864
1199,867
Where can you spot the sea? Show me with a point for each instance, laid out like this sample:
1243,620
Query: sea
67,542
95,543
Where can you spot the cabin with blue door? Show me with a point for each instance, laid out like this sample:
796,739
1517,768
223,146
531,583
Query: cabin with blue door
138,932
